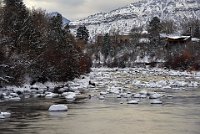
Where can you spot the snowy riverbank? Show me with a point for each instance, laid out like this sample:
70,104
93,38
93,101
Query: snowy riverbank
106,79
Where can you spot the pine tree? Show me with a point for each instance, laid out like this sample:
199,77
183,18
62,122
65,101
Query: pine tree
18,31
60,59
106,46
56,33
18,26
154,28
14,20
82,33
135,35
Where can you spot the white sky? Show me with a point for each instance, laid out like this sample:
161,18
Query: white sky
76,9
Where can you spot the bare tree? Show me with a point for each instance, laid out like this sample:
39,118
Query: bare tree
191,27
168,26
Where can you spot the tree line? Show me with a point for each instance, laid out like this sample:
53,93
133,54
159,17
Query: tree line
35,45
146,41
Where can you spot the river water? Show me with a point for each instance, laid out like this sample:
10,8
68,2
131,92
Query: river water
179,114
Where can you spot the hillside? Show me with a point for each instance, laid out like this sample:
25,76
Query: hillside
139,14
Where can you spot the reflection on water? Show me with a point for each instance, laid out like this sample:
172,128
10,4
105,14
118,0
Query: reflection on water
178,115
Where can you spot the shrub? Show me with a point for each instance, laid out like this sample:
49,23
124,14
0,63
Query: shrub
184,61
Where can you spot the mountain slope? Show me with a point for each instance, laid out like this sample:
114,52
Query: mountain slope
139,14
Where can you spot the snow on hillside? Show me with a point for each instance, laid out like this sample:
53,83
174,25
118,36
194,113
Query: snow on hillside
138,14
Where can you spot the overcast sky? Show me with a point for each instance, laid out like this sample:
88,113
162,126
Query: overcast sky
76,9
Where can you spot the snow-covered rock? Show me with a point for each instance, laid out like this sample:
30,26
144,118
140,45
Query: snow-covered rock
115,90
5,114
156,101
69,96
155,96
101,97
38,95
2,117
103,93
14,99
58,108
11,97
133,101
38,86
119,96
50,95
137,95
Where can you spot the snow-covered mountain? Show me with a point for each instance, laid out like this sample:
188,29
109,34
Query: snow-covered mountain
138,14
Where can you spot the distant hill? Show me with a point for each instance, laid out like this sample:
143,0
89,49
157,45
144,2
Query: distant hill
139,14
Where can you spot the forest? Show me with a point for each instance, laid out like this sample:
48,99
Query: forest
36,46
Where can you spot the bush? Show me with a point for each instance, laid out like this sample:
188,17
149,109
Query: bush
185,61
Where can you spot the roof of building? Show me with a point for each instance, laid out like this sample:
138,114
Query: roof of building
179,37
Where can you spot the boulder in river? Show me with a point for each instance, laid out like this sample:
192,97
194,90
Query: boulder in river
58,108
156,101
133,101
4,115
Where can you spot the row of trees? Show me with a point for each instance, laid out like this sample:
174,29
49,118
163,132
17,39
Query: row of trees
152,44
35,45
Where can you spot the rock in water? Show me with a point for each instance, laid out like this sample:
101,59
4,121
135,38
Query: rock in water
156,101
101,97
50,95
133,102
69,96
4,115
58,108
155,96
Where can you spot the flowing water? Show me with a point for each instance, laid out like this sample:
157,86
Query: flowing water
179,114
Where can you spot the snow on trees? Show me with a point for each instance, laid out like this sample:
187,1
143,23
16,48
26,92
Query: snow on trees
154,28
36,44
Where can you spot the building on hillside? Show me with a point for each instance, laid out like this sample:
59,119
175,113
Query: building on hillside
177,44
178,40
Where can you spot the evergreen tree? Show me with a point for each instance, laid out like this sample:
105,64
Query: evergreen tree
154,28
17,24
82,33
14,20
17,29
60,59
56,33
39,46
135,35
106,46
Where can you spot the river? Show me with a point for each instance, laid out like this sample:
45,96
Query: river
179,114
